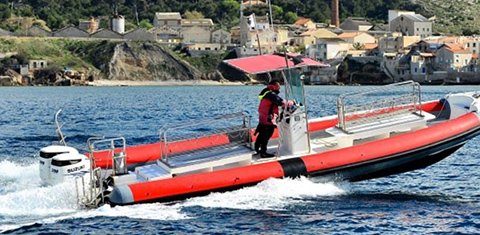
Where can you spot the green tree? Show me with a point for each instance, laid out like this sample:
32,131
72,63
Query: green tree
145,24
193,15
5,12
291,17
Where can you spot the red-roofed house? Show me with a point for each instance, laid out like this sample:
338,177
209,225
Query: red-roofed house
453,56
305,23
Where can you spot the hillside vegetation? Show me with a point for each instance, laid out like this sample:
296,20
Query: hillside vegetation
113,60
58,14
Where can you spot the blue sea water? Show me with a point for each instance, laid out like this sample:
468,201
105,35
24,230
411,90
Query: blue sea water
441,199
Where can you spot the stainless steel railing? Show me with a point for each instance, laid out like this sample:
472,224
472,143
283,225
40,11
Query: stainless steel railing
214,129
377,104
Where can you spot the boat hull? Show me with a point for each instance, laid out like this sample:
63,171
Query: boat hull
375,159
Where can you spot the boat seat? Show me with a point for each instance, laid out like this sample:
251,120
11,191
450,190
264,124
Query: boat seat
208,160
380,129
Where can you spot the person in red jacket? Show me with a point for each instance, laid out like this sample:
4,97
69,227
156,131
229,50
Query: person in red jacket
268,113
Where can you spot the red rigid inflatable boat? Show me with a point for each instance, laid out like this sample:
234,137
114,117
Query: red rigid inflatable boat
377,132
401,153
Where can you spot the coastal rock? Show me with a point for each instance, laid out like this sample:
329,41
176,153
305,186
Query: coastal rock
148,62
6,81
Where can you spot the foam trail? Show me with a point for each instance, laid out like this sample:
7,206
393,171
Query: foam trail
39,201
24,200
272,194
15,177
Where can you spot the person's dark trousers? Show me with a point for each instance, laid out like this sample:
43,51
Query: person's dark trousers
265,132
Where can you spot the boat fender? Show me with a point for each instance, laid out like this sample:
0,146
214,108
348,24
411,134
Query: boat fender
293,168
121,195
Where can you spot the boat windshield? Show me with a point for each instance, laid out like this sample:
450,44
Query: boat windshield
294,88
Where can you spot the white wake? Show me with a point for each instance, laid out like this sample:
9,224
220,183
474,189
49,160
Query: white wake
24,200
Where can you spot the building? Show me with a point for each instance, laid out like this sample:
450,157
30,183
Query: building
282,36
197,50
195,34
327,49
71,31
395,44
255,31
37,64
221,36
412,25
357,38
166,34
356,24
235,34
34,31
310,36
106,34
414,65
305,23
169,19
139,34
473,45
392,14
202,23
453,57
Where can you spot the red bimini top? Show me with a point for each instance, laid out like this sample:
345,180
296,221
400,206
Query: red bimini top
271,63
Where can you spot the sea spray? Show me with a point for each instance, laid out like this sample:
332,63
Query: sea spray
272,194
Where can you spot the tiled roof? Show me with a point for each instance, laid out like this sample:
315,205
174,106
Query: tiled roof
456,48
426,55
253,2
349,35
301,21
370,46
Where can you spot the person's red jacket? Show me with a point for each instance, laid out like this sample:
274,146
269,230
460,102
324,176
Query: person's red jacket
268,108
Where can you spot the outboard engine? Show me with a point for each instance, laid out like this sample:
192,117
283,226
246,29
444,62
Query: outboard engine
60,161
67,165
46,155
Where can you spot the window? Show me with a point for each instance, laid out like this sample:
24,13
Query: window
418,29
416,70
466,62
468,44
474,45
423,29
423,70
